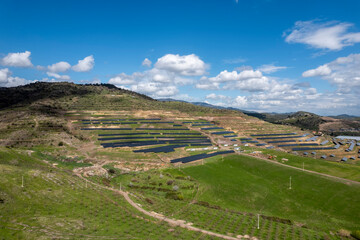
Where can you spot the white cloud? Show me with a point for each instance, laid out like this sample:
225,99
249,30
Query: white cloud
59,67
58,76
123,79
146,62
155,89
215,96
270,68
6,80
21,59
85,64
241,101
187,65
344,73
226,76
327,35
4,75
319,71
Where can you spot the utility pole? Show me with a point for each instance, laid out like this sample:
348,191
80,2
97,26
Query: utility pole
290,183
22,181
258,222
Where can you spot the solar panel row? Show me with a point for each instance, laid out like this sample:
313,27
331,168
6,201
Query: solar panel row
222,133
300,144
264,138
153,142
199,156
153,137
306,148
282,141
211,128
271,134
228,136
163,129
106,129
164,149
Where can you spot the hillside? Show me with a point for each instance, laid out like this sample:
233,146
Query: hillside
98,162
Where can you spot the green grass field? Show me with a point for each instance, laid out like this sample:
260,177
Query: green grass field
252,185
54,204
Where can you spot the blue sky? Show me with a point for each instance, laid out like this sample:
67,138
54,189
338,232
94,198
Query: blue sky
262,55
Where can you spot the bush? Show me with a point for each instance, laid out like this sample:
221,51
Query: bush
174,196
170,182
61,144
356,234
111,171
148,200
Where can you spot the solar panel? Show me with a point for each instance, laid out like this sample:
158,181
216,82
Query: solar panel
324,142
106,128
169,133
282,141
306,148
164,149
298,144
123,138
264,138
199,156
222,133
272,134
211,128
312,139
163,129
228,136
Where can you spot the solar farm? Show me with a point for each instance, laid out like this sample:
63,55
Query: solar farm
164,174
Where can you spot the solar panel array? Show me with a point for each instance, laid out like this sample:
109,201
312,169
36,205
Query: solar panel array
222,133
307,148
324,142
312,139
298,144
272,134
265,138
352,145
199,156
211,128
230,136
282,141
164,149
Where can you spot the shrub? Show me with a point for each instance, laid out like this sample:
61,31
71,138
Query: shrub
111,171
170,182
356,234
174,196
148,200
61,144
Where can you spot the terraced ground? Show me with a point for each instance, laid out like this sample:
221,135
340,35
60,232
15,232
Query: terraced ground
42,143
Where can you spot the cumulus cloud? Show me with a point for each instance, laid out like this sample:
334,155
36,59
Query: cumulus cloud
169,72
123,79
271,68
344,72
323,35
21,59
146,62
59,67
7,80
58,76
187,65
155,89
85,64
4,75
319,71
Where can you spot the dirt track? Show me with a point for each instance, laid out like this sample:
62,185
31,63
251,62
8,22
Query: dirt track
172,222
